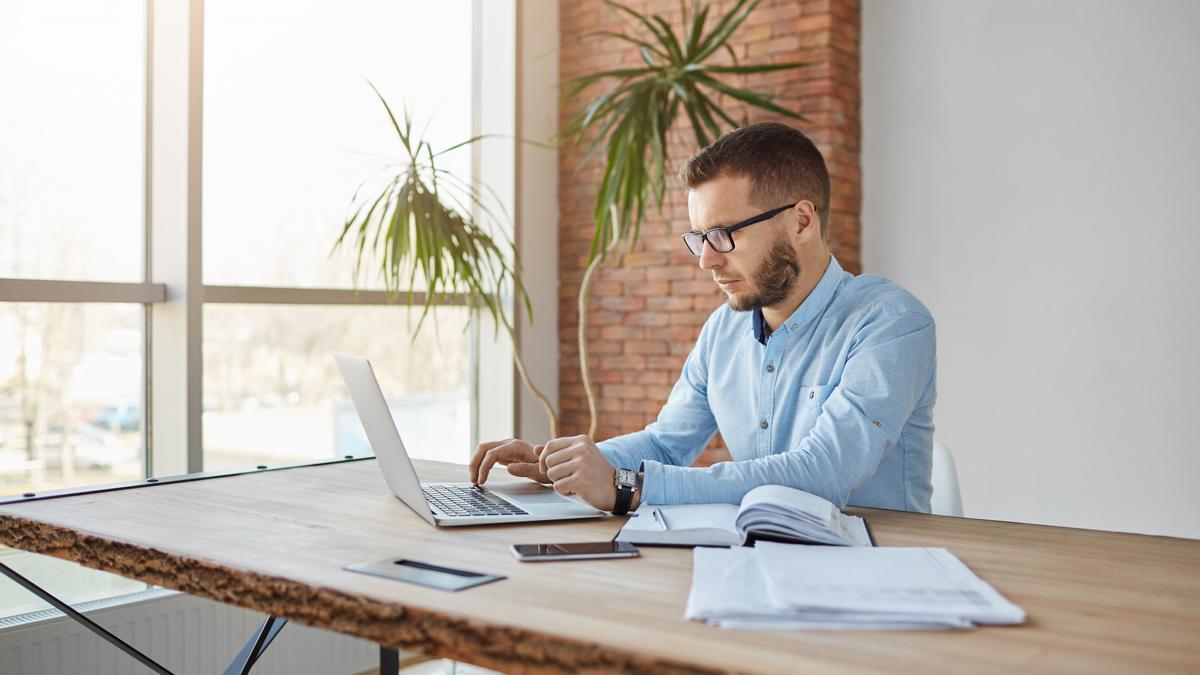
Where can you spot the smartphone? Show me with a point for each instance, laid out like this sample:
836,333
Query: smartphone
596,549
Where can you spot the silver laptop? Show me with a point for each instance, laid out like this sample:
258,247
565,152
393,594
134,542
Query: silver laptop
445,504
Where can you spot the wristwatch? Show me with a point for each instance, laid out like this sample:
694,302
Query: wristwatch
626,481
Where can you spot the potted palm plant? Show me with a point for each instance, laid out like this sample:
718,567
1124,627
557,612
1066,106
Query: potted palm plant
421,226
683,74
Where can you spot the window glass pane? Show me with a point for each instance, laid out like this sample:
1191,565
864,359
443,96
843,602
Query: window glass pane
273,395
291,127
70,415
72,139
70,395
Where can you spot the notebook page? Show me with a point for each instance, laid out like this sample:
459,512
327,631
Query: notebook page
819,509
699,516
795,514
690,524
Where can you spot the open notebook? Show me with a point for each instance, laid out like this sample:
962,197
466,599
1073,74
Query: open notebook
771,512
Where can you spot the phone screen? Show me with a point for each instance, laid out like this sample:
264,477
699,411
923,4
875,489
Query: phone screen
596,549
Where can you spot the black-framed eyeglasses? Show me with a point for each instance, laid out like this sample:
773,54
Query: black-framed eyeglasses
721,238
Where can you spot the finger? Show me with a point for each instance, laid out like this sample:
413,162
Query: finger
552,446
490,457
526,470
565,455
509,450
561,470
522,469
477,457
564,487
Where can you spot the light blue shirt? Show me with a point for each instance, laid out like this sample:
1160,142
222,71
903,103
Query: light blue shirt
837,402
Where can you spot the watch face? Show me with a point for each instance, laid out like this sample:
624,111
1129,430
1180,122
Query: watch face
626,477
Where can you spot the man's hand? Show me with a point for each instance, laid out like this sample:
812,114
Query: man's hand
519,457
577,468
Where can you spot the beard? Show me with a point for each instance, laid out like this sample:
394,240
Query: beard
773,280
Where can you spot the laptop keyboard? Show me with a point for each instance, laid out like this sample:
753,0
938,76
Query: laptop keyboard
459,500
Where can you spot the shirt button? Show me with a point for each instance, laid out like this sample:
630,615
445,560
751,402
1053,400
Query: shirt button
793,326
770,368
762,424
811,394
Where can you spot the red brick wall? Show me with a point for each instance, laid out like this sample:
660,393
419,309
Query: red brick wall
646,312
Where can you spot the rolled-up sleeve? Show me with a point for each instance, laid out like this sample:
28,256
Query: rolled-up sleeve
684,426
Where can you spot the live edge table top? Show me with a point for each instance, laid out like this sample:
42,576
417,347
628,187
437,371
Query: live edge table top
277,542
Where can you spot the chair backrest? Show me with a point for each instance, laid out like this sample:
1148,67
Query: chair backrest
947,500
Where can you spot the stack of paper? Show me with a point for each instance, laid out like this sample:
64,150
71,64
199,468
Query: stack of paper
787,586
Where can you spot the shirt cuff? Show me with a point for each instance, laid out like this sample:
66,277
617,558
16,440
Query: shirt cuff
653,484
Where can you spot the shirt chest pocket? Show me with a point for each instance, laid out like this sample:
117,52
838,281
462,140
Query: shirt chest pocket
815,395
812,400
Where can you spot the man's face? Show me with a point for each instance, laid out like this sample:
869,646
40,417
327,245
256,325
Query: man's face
762,268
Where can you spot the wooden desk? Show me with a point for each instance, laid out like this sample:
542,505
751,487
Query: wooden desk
276,542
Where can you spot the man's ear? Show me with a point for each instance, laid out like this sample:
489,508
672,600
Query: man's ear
808,223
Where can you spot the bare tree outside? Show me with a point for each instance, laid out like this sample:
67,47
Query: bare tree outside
272,392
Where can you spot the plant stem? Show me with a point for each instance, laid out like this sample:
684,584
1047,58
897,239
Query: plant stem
584,287
520,363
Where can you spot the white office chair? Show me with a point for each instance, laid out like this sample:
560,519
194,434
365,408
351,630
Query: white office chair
947,500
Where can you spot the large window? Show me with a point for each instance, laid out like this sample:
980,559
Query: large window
289,129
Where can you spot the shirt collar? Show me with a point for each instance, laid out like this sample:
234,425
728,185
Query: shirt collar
761,329
812,307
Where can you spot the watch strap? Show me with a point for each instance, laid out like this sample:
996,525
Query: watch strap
624,498
626,482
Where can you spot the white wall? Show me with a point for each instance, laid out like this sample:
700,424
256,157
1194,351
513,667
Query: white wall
1031,171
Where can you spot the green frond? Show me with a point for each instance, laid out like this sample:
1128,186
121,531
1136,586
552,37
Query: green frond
418,229
633,117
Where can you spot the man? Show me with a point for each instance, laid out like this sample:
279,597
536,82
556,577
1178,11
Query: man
816,379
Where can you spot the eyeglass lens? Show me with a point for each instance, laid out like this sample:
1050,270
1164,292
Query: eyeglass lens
718,239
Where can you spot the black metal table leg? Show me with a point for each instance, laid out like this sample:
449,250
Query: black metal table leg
250,653
83,620
241,665
389,661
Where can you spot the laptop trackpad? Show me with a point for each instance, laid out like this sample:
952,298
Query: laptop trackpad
531,493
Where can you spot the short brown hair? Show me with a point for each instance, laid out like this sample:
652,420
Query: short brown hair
783,166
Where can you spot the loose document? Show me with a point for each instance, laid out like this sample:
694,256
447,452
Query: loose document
775,586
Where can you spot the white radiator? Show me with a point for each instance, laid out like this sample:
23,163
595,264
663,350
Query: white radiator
185,634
